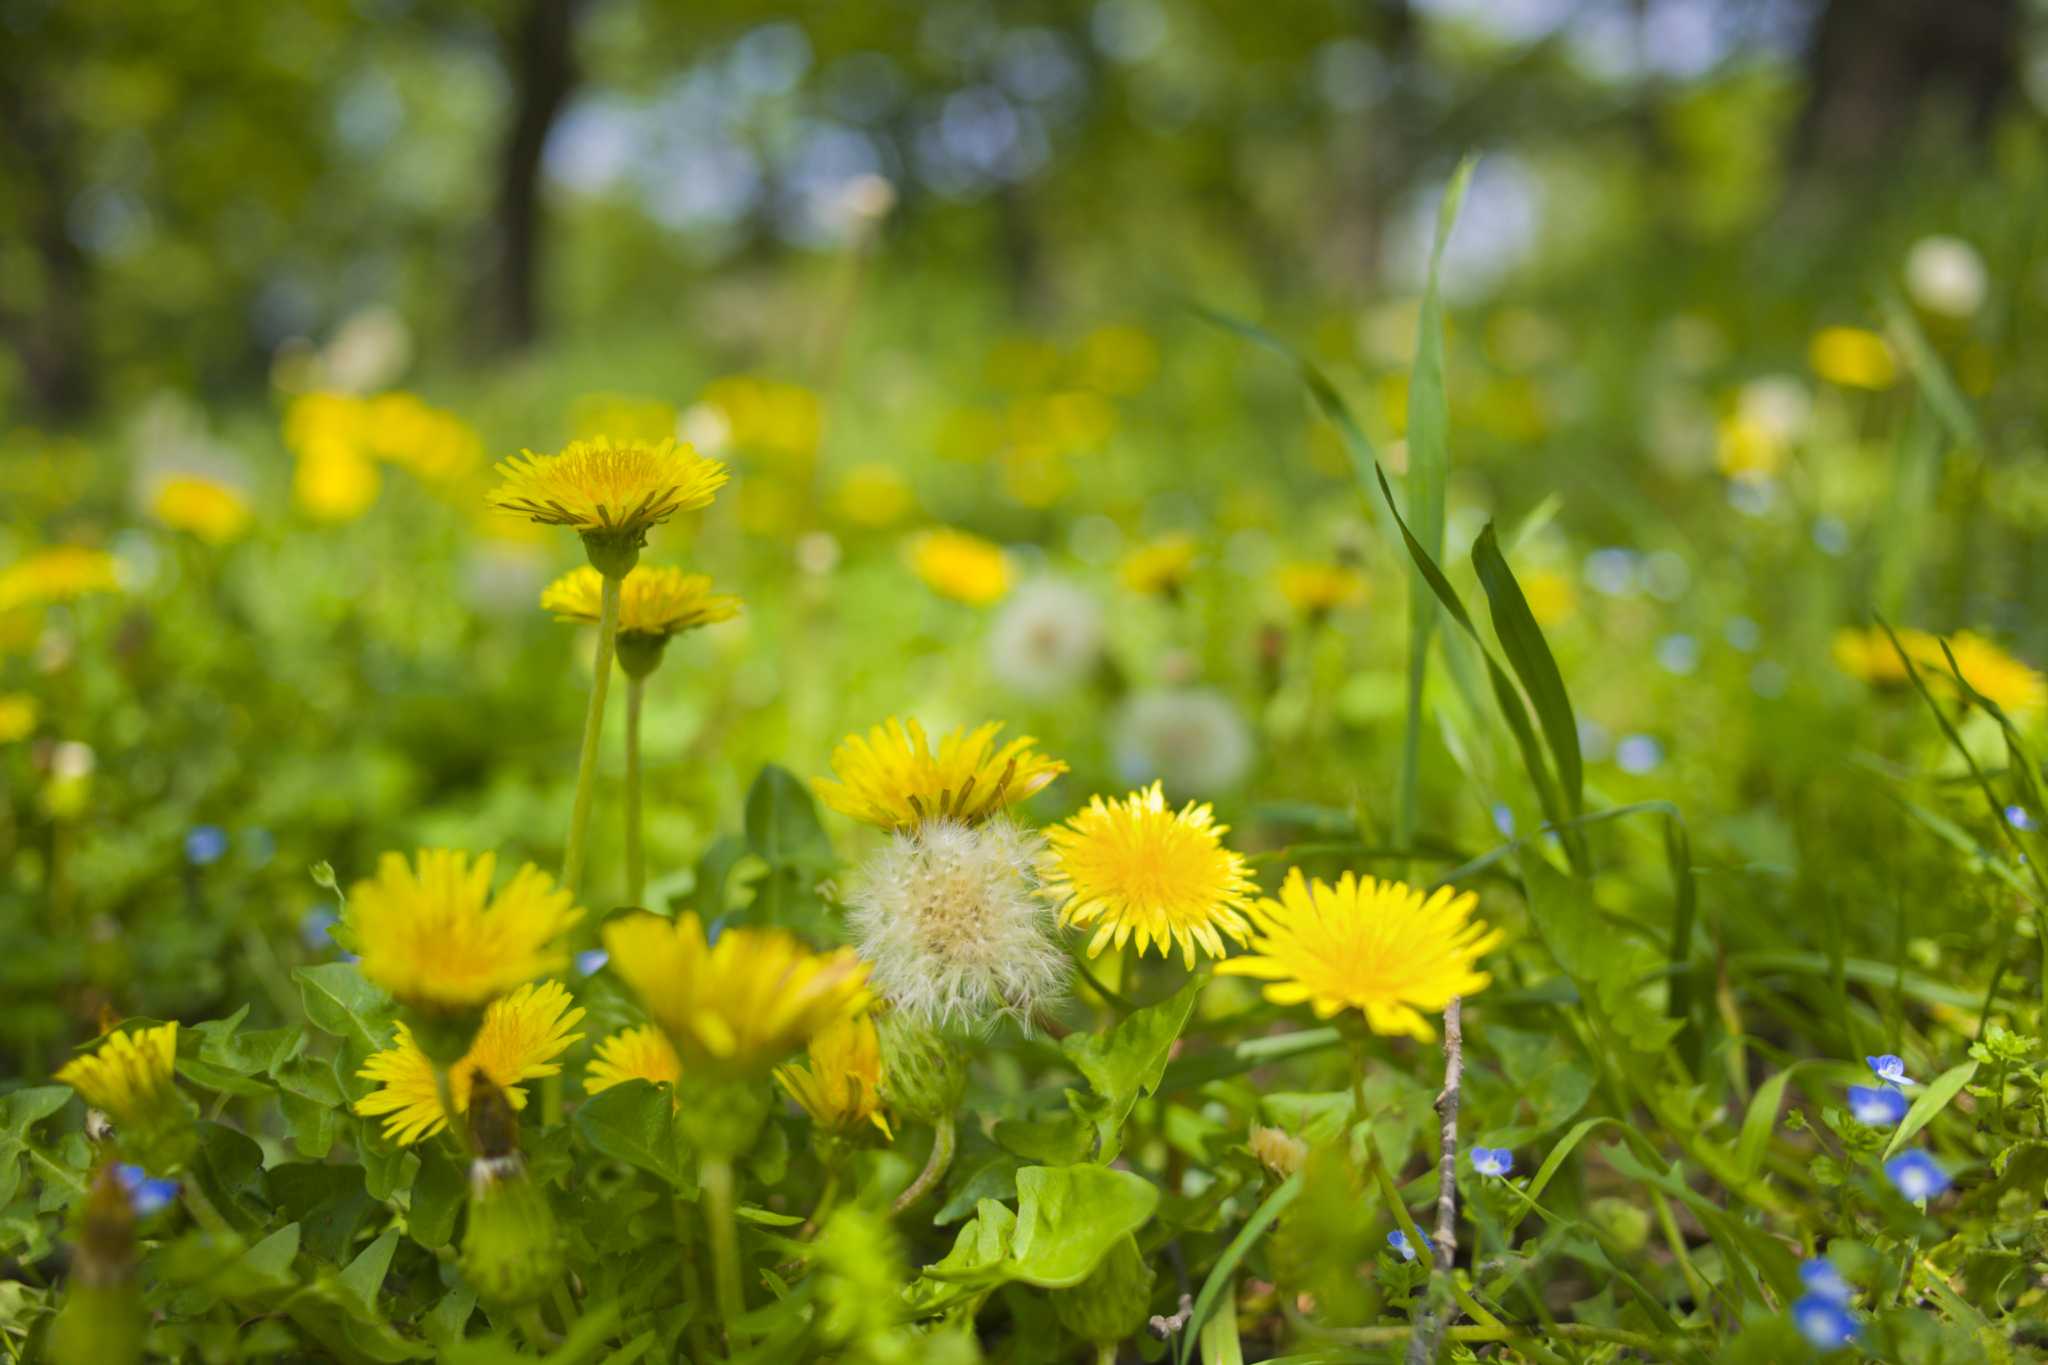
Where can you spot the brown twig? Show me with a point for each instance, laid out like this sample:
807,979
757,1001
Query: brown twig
1422,1346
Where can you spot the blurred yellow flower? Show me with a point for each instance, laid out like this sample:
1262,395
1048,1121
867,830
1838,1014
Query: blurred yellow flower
1385,949
520,1038
736,1007
1745,448
627,416
1118,360
434,445
652,601
961,566
333,483
1550,595
131,1077
1161,567
891,778
1316,589
603,487
874,495
433,935
58,574
1036,475
781,422
214,512
17,716
1852,357
1868,655
634,1054
1138,868
841,1086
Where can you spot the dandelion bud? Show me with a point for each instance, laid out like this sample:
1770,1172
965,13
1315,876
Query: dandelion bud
640,654
1278,1151
1112,1303
924,1074
721,1117
512,1251
101,1321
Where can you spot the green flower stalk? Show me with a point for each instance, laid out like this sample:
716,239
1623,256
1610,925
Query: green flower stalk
512,1250
637,612
593,728
101,1322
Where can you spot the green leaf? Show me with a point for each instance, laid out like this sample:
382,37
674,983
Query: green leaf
329,1204
1605,966
782,821
1521,639
219,1079
1226,1265
229,1169
437,1193
22,1109
364,1277
714,871
1130,1060
1068,1217
1644,1149
634,1122
1762,1117
1930,1102
1545,1072
339,1001
268,1264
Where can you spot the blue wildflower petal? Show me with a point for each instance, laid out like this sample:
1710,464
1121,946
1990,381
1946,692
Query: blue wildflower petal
1916,1175
592,961
1890,1069
1877,1105
1825,1323
1824,1281
205,844
146,1195
1495,1161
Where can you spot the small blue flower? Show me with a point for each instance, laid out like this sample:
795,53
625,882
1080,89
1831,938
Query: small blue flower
1880,1106
316,928
1916,1175
1824,1281
145,1194
1504,819
1824,1322
591,961
2017,817
1398,1240
1492,1160
1890,1070
205,844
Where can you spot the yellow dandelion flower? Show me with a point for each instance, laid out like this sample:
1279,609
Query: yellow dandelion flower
1160,568
1853,358
1138,868
634,1054
131,1076
433,935
18,713
605,488
1384,948
652,601
521,1037
890,778
58,574
874,495
334,482
961,566
736,1007
1868,655
841,1087
1550,595
1316,589
215,512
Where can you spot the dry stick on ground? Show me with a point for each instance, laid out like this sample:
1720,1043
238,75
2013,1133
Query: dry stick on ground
1438,1308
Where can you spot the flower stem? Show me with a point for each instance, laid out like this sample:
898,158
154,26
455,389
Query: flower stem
716,1178
636,857
593,725
934,1169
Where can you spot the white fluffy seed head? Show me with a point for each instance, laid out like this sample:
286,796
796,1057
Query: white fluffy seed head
949,917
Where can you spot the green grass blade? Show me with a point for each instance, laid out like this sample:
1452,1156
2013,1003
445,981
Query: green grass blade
1521,639
1226,1265
1429,464
1931,1101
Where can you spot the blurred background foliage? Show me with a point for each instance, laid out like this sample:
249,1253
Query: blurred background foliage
1743,342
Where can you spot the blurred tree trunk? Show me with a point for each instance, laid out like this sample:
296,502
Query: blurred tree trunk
540,60
45,324
1872,63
